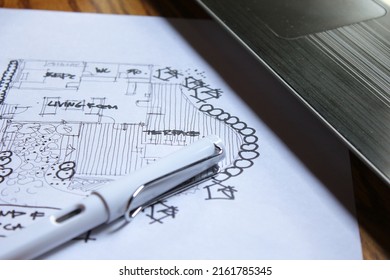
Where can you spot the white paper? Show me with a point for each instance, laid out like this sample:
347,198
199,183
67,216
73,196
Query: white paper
87,98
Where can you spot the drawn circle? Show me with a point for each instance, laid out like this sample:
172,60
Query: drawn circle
47,129
250,139
66,129
248,154
233,120
65,174
224,116
247,131
4,160
221,176
216,112
28,128
14,127
233,171
4,172
239,126
66,170
249,147
67,165
5,154
206,108
243,163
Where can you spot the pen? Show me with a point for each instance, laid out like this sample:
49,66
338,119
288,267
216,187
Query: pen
124,197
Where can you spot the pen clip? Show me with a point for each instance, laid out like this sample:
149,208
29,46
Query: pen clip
165,186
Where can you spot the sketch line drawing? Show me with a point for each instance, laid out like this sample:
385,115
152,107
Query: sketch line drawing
73,126
160,211
14,217
6,79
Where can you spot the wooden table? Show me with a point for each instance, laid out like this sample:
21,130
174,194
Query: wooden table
372,195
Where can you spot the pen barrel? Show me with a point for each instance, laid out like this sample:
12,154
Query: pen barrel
117,194
112,201
42,236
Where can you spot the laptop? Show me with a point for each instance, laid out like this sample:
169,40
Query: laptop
333,55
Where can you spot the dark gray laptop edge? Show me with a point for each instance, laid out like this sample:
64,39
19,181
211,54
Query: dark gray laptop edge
335,57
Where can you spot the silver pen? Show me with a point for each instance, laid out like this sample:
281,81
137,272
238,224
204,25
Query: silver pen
124,197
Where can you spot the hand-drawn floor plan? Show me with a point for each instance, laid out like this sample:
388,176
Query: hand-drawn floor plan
68,127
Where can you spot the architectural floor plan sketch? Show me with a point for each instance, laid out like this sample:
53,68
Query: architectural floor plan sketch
68,127
88,98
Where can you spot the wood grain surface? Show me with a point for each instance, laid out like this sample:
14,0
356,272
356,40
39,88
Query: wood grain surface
372,195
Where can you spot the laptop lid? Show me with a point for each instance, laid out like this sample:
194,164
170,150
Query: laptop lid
333,55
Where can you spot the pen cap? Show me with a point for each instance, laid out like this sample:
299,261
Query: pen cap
153,181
